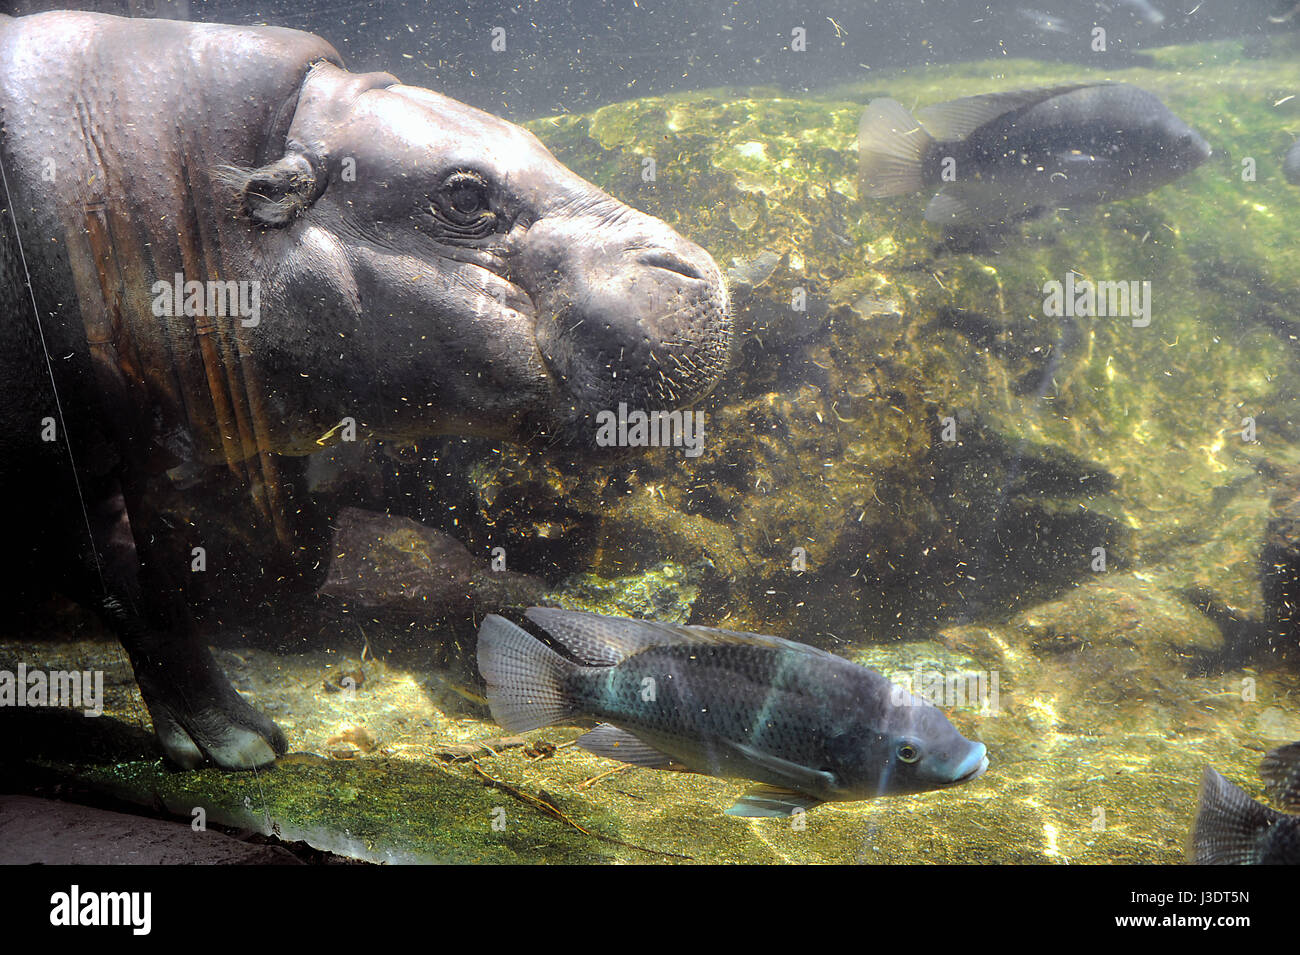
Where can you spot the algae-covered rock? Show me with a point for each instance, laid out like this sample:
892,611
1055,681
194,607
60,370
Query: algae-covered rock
664,592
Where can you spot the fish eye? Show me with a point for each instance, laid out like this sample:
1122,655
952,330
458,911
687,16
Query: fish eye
909,752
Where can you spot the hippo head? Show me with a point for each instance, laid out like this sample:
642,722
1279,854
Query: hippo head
428,267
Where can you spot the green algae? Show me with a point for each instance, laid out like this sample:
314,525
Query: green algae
663,592
376,809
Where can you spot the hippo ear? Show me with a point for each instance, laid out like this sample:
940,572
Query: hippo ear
276,194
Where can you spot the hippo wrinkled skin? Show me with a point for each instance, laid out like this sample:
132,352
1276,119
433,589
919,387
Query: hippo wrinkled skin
375,260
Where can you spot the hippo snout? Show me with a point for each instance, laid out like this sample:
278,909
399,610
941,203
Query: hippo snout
640,319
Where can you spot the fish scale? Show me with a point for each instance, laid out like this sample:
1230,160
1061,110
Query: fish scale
763,695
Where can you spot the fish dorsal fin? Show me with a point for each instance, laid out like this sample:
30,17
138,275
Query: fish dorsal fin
597,640
958,118
611,742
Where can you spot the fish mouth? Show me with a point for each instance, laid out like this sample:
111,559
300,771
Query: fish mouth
973,766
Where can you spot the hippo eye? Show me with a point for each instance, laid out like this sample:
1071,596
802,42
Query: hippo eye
909,753
462,207
467,198
465,194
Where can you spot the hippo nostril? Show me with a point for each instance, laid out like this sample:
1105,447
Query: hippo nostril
661,259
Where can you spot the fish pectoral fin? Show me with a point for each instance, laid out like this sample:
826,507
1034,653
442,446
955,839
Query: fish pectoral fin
611,742
972,204
765,800
792,775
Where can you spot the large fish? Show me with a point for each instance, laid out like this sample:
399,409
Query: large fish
1232,829
1005,156
809,726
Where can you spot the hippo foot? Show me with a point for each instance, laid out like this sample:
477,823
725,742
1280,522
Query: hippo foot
200,718
232,735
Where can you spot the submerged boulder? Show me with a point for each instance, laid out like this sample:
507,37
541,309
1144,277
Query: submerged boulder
397,566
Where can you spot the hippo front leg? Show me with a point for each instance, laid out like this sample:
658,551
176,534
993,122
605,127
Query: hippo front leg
197,715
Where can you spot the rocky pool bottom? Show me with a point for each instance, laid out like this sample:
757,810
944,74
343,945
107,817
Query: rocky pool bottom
1097,738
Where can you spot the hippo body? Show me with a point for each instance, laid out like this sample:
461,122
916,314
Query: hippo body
240,252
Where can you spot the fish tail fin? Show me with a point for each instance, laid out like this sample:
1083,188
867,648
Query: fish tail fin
891,149
1228,824
1281,773
525,678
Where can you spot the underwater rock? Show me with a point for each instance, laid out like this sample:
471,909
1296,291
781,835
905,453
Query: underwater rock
664,592
399,566
1120,639
744,276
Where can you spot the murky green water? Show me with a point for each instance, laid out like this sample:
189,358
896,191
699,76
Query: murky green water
829,505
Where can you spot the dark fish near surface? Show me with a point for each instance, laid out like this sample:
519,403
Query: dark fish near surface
809,726
1005,156
1232,829
1291,164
